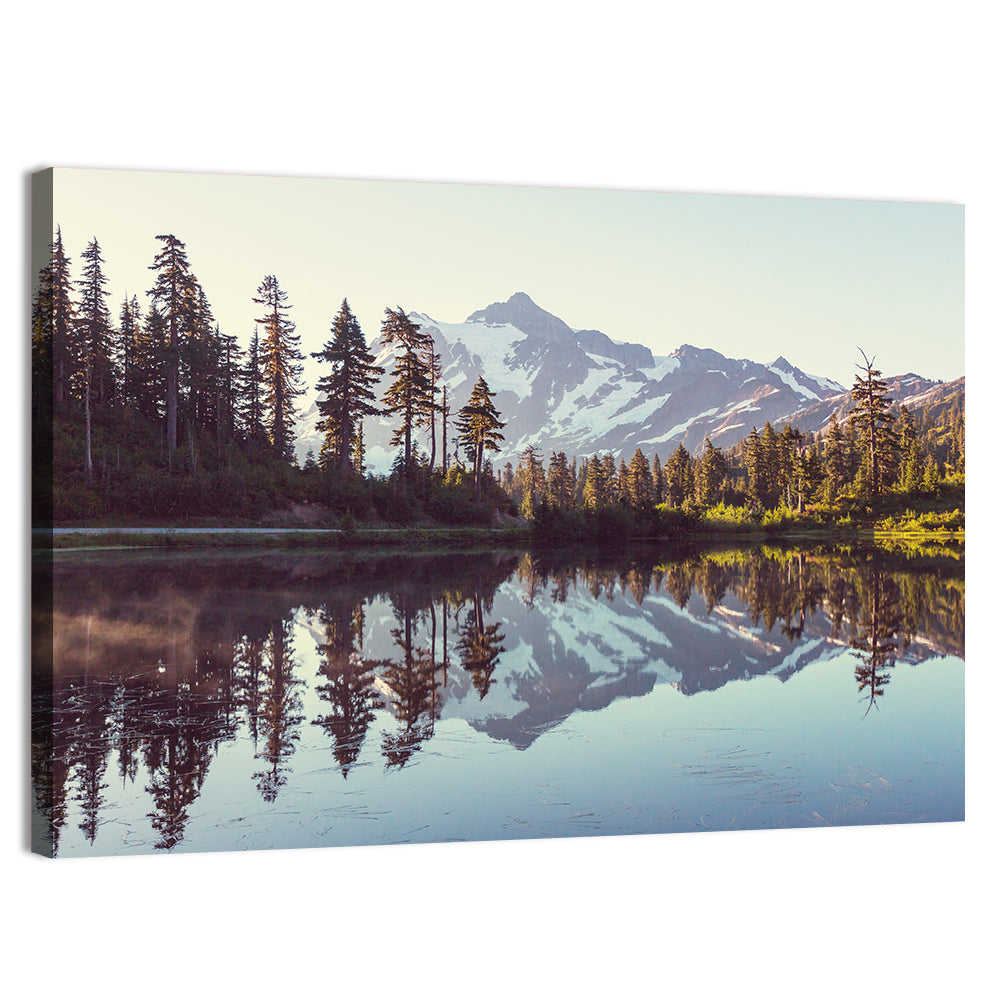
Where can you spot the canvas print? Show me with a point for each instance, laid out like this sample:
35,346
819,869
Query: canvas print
372,513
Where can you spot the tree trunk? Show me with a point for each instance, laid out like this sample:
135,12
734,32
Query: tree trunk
433,437
87,463
172,404
444,432
345,441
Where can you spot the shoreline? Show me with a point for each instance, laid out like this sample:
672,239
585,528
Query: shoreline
64,539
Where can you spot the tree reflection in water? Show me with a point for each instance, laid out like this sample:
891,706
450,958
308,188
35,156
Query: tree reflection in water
349,681
158,662
880,623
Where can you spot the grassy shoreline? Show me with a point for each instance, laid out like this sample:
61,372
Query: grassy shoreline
419,538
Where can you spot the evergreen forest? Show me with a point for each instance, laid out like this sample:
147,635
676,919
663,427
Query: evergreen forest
147,413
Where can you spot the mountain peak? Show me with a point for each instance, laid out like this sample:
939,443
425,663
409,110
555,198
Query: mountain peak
523,313
697,355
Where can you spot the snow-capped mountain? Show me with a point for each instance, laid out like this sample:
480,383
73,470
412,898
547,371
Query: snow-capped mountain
580,392
581,653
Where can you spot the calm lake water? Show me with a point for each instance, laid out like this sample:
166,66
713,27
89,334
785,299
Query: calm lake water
221,701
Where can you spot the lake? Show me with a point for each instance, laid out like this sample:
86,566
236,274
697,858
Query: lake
234,700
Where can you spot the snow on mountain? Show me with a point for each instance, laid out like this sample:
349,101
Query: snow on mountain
580,392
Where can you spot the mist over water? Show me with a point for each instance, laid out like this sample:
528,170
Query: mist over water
232,701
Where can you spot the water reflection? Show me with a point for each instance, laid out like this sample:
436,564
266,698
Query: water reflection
161,665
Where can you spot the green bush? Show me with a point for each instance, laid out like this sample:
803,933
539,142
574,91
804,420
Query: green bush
723,515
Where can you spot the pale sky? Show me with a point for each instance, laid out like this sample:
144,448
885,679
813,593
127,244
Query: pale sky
751,277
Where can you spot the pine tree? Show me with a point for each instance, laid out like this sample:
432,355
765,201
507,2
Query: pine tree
753,461
348,387
770,463
873,417
200,362
909,474
532,479
227,386
281,368
507,480
411,386
479,427
129,342
610,479
836,459
595,487
251,395
678,477
149,373
42,354
559,482
93,338
63,318
432,366
173,295
709,474
640,483
657,473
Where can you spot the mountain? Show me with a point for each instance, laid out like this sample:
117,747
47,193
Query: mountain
581,392
579,654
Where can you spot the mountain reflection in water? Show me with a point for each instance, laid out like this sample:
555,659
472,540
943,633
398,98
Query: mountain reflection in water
198,701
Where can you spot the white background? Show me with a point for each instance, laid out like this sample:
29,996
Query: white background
879,100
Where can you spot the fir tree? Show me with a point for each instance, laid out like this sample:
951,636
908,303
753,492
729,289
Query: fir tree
874,419
128,352
348,386
595,487
94,332
411,385
479,427
251,396
678,477
281,368
432,366
63,318
710,472
42,352
836,458
559,481
640,483
532,480
173,296
149,376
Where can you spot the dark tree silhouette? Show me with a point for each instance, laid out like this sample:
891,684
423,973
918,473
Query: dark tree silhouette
411,388
280,359
347,387
173,295
873,417
479,427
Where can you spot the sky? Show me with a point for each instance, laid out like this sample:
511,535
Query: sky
753,277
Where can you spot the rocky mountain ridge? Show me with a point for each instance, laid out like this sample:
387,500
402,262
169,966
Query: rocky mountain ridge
581,392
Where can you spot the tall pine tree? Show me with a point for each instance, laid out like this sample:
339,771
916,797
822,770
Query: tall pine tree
348,386
173,296
479,427
94,333
411,388
63,321
281,368
872,416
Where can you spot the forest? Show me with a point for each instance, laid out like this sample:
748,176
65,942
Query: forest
157,417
